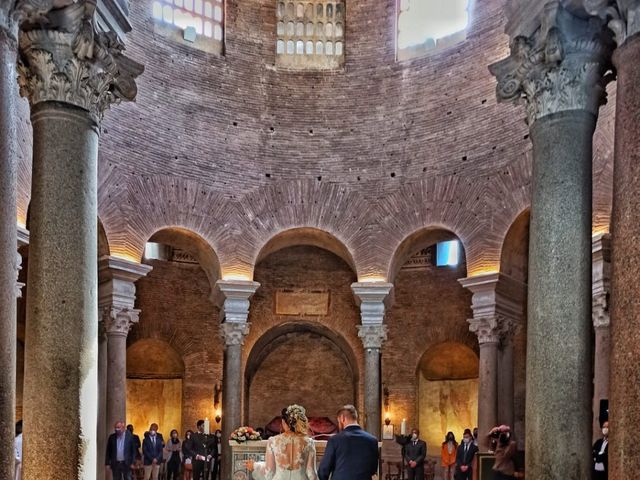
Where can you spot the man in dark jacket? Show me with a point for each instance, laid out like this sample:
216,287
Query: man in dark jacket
414,454
464,457
136,441
601,455
121,453
352,454
200,450
152,450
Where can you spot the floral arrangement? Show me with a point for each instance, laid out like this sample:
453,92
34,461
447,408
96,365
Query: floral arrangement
245,434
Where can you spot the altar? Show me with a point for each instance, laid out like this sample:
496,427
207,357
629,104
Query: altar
241,452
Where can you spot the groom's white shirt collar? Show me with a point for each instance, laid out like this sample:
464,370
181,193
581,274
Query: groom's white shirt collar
351,425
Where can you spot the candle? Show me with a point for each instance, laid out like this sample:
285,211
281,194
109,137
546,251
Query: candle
206,426
403,427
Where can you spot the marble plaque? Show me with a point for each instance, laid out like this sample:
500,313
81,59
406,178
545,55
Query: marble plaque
302,302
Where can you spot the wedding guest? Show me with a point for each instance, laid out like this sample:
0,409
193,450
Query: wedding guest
121,455
18,449
199,449
464,457
448,455
152,450
414,454
136,442
601,455
475,437
187,455
216,453
174,454
505,452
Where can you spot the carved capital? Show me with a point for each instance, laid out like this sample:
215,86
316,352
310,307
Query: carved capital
486,328
372,336
561,67
234,333
64,58
622,16
118,320
600,311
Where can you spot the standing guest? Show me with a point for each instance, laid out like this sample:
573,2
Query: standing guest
448,455
464,457
174,454
475,437
121,454
199,448
216,453
187,455
601,455
152,448
18,448
414,454
505,452
136,442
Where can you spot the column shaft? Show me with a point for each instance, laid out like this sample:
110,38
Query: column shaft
116,377
559,304
487,392
600,375
372,392
8,242
61,336
625,303
231,402
103,428
506,403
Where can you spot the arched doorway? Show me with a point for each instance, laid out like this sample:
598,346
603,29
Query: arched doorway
447,391
299,362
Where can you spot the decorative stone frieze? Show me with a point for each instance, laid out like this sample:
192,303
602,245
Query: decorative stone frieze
562,66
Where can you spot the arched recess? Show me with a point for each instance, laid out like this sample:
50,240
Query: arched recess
305,376
514,263
306,236
447,391
193,244
416,242
103,241
155,372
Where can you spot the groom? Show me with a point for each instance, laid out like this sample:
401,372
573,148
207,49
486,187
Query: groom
352,454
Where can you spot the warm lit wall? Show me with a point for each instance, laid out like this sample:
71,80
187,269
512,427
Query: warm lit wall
154,401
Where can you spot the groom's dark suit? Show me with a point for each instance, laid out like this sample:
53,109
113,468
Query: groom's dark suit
350,455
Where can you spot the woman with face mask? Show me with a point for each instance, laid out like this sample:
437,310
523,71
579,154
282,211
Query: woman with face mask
187,455
448,455
601,455
174,453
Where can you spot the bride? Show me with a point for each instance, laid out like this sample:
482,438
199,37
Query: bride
290,455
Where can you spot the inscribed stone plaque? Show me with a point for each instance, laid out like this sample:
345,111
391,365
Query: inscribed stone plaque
302,302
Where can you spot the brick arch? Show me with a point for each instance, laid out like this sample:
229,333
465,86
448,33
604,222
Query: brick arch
306,236
444,334
146,205
285,206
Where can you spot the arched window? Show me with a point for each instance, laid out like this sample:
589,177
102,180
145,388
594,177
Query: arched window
205,17
428,24
316,28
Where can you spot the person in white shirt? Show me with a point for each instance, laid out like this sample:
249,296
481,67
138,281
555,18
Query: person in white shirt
601,455
18,447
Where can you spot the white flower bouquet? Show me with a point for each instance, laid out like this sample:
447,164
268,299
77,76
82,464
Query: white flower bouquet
245,434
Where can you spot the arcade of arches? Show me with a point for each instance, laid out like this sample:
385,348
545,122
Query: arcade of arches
296,209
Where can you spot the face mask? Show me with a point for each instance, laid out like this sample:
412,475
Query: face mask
466,439
605,431
414,436
153,433
218,435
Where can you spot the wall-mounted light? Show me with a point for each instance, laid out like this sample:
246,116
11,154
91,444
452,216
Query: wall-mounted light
387,418
218,415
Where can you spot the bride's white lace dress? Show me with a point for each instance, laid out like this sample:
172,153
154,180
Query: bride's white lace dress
288,457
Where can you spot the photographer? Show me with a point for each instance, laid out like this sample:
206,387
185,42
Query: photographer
505,451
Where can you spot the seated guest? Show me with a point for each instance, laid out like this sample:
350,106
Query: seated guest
121,454
601,455
448,455
464,457
414,454
152,450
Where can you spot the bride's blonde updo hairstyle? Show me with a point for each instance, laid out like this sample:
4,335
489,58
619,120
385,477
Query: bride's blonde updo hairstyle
295,417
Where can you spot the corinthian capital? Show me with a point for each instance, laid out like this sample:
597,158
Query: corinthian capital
234,333
372,336
64,58
488,329
562,66
622,16
118,320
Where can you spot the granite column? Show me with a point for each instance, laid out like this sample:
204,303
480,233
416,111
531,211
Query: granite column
373,333
70,77
234,329
558,67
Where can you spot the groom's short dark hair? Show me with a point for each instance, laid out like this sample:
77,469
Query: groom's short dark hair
349,411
